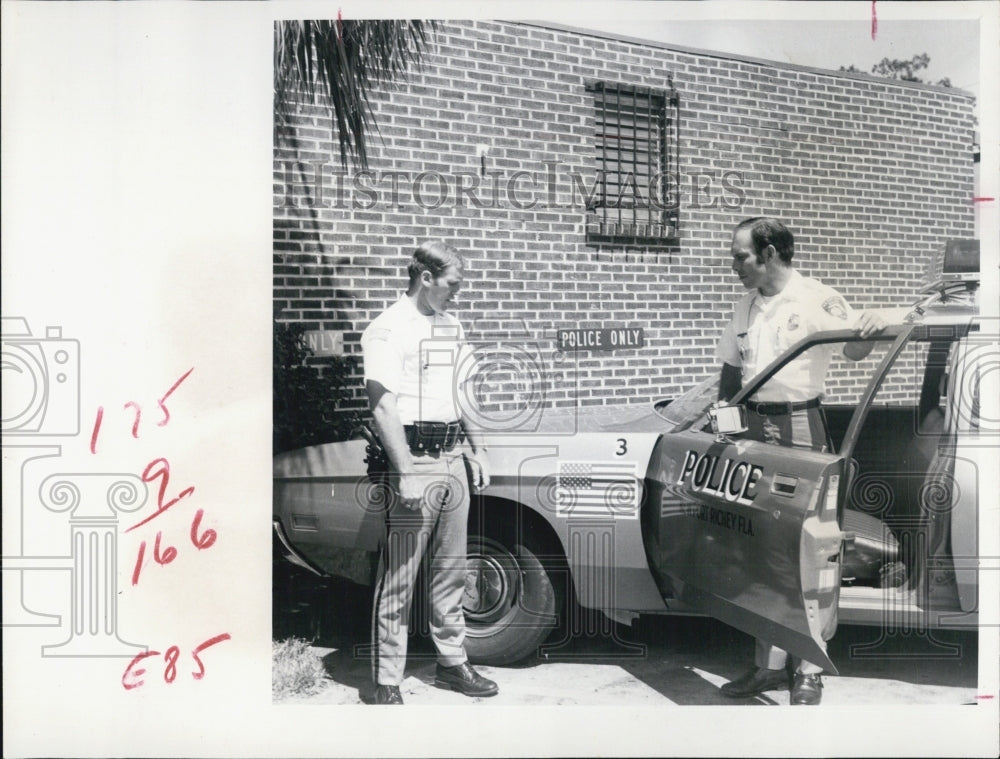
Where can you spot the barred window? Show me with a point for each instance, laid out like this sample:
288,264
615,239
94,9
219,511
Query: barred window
636,195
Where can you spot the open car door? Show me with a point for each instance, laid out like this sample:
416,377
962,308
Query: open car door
747,531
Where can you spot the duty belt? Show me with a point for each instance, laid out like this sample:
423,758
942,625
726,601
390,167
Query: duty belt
432,437
778,408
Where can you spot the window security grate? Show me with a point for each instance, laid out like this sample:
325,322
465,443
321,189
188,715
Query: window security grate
636,195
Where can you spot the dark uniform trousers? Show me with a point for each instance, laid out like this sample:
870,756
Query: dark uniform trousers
439,529
799,429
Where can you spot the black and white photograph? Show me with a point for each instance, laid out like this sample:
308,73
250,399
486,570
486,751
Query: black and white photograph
638,432
625,358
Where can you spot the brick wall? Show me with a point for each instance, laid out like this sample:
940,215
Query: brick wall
872,176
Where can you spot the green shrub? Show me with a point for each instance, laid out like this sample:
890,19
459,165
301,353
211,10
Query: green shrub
296,670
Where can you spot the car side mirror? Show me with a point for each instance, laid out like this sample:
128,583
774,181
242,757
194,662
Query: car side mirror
728,420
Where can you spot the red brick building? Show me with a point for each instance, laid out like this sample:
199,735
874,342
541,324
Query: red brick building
498,140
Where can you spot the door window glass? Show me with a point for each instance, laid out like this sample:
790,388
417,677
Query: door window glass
809,400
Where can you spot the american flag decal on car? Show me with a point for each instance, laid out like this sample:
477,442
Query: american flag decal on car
597,489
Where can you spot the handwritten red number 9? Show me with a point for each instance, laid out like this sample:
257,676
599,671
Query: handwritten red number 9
149,475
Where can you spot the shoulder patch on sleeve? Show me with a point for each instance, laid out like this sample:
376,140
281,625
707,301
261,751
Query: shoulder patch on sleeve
836,306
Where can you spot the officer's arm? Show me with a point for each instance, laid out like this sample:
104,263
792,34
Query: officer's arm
473,435
390,432
479,460
730,383
857,351
388,426
869,323
469,411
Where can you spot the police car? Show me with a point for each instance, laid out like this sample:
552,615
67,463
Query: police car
667,508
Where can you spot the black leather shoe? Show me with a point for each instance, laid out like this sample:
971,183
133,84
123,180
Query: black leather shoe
465,680
807,690
755,682
388,694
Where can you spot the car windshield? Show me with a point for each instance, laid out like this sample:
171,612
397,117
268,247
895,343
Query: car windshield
688,408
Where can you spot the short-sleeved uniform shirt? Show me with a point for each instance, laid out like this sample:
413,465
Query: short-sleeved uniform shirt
762,328
422,359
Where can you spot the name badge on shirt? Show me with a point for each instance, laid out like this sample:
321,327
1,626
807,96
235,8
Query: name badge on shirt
743,346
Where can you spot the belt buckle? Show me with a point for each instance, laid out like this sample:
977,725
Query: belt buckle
418,438
429,437
433,437
773,408
440,436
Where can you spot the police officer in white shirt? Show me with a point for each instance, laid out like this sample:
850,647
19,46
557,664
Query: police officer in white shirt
415,359
781,308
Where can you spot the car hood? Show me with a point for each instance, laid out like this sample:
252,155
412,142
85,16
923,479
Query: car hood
626,417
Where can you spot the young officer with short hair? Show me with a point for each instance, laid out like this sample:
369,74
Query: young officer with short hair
414,353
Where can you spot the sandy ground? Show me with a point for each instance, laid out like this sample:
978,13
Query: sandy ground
661,660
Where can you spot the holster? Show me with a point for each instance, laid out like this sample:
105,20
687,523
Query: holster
375,455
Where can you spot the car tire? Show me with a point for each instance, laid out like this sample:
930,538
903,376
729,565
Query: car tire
512,601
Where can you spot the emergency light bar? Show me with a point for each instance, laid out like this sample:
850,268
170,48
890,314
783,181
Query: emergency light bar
961,257
952,274
958,262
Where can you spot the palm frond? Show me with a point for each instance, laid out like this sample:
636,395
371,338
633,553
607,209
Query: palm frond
342,64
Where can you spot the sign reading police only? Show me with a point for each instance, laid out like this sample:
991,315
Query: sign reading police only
601,339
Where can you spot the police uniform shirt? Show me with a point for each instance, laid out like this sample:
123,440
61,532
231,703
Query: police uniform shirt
422,359
762,328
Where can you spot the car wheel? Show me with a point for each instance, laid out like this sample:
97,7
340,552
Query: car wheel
511,601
